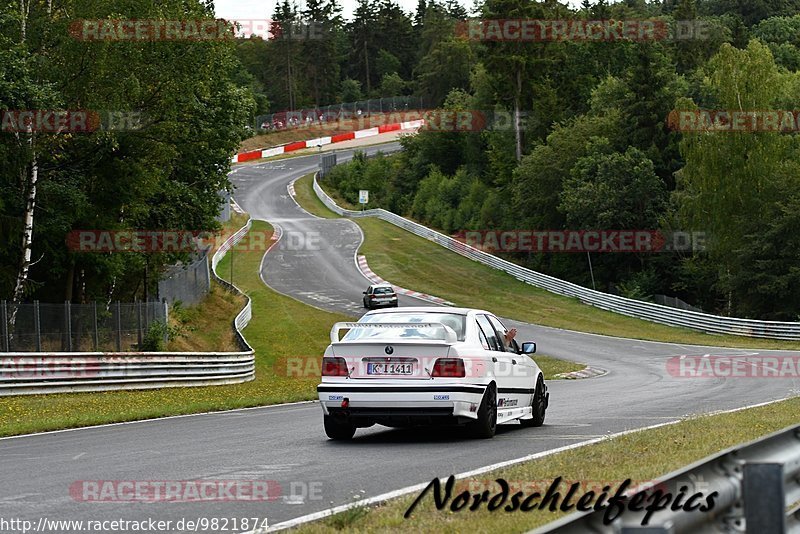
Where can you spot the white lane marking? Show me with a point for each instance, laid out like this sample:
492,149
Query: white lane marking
418,487
78,456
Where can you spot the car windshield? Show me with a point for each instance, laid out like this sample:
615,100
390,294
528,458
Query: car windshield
383,291
454,321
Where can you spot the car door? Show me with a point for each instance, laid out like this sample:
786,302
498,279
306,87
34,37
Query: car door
504,366
521,380
367,294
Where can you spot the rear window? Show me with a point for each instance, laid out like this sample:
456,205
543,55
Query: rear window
383,291
454,321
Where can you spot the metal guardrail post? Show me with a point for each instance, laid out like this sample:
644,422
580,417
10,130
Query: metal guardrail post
37,325
94,326
138,305
166,320
68,323
118,325
764,497
4,327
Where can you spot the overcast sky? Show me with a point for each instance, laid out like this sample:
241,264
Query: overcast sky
262,9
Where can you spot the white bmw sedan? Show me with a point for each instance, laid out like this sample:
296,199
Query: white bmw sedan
429,366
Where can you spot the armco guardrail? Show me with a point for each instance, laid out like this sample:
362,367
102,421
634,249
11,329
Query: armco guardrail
243,319
322,141
757,491
657,313
40,372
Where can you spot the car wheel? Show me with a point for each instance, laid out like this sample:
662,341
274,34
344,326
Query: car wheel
486,425
538,406
339,430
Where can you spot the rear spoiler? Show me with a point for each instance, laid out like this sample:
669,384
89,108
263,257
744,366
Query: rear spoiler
448,334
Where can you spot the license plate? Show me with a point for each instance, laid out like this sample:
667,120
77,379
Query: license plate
389,368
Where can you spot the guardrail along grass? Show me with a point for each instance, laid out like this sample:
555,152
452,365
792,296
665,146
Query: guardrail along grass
281,328
415,263
640,456
308,199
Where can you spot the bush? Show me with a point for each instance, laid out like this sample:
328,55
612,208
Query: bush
153,340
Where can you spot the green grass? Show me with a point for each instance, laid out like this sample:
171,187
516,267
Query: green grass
640,456
207,326
306,197
415,263
551,367
282,330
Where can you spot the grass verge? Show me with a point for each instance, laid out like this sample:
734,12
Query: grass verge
282,328
555,366
206,327
415,263
308,199
647,455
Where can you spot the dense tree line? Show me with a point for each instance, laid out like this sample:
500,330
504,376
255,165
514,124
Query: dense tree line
588,144
162,173
317,58
595,150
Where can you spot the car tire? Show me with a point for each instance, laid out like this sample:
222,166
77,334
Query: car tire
486,425
338,429
538,406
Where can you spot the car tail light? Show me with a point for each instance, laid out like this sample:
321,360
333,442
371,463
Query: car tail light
449,368
334,367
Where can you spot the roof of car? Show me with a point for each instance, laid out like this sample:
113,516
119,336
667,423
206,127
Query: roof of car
430,309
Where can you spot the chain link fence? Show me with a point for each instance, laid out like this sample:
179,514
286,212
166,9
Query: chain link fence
188,283
68,327
674,302
315,116
225,210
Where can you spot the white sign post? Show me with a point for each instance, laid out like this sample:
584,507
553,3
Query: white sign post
363,196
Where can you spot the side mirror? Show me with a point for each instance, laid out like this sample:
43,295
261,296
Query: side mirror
364,292
529,348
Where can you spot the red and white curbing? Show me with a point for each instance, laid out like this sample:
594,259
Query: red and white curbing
375,279
321,141
236,207
589,372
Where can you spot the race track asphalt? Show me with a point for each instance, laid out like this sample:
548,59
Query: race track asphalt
287,444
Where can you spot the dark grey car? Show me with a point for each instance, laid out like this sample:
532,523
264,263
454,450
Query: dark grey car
379,296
